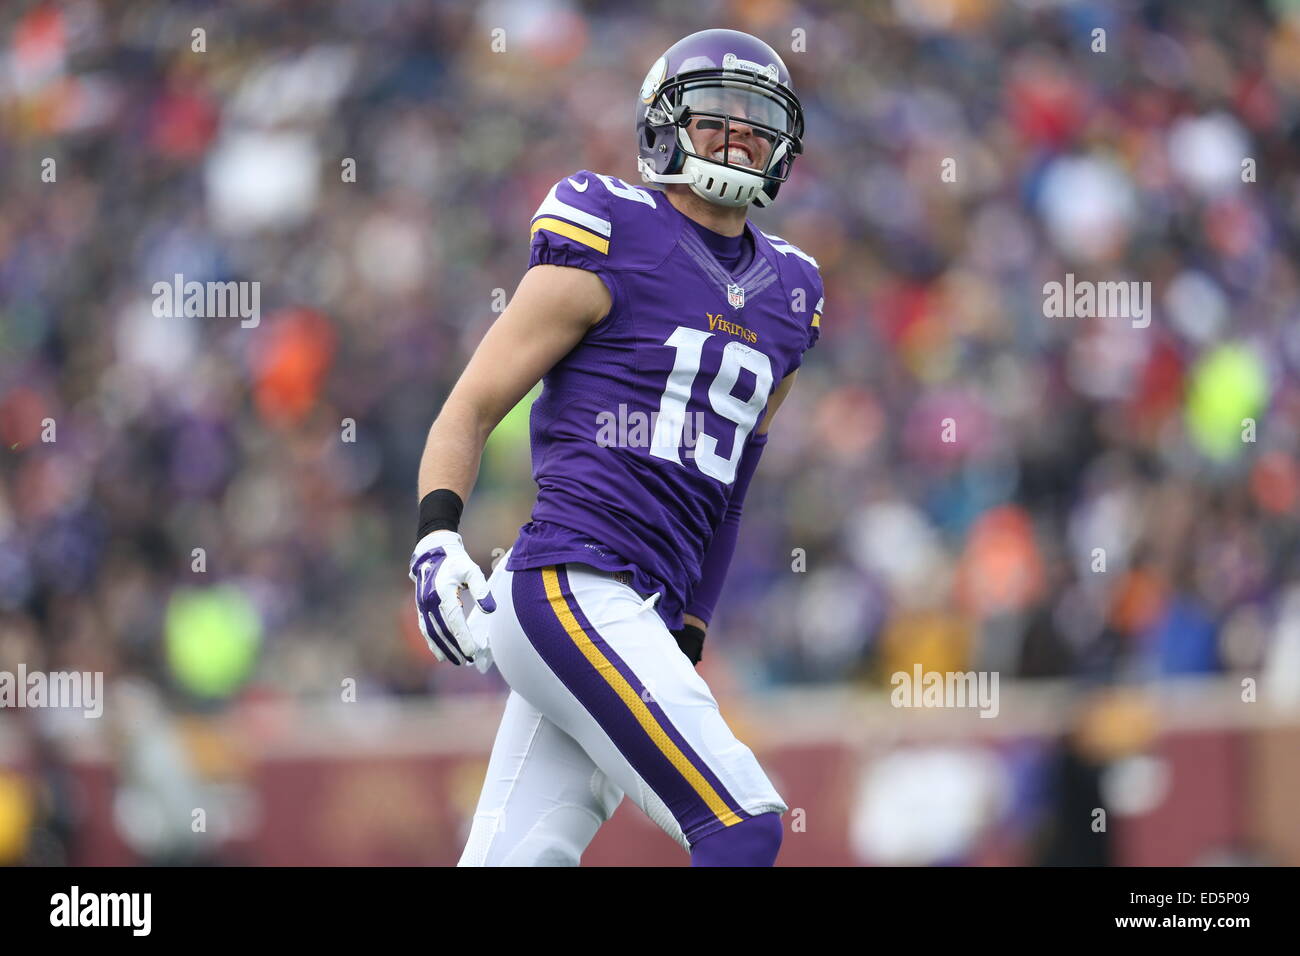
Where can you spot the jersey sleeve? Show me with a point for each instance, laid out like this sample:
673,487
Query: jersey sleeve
815,323
572,226
814,293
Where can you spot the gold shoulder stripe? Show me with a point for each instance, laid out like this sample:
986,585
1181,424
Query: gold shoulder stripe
817,320
569,231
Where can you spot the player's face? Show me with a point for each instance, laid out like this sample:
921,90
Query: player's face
749,145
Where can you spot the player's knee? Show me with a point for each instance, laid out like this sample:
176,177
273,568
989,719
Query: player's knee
546,851
752,842
557,839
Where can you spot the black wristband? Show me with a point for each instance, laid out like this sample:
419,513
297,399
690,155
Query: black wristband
439,511
691,640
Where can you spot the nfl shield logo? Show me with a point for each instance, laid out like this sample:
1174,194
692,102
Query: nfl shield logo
735,296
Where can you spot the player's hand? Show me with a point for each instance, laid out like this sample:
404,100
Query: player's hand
440,568
690,639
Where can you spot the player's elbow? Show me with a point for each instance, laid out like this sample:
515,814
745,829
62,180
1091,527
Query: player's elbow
468,415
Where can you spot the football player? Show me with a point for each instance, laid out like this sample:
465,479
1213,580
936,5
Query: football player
663,302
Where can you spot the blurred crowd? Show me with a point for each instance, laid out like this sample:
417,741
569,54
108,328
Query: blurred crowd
223,511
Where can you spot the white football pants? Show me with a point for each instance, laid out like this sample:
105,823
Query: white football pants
602,703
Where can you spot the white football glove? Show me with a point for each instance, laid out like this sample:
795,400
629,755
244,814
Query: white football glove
440,568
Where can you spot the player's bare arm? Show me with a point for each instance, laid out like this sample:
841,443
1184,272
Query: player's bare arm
551,310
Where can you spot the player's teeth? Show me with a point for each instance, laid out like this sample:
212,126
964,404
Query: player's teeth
734,155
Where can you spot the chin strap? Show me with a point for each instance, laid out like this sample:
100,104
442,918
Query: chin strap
760,197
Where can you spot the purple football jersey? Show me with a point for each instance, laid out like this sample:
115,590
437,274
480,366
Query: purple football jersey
638,431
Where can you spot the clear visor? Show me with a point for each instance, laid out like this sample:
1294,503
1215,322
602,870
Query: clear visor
741,103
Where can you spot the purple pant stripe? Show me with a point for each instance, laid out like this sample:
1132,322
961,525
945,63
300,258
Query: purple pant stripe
630,676
548,636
